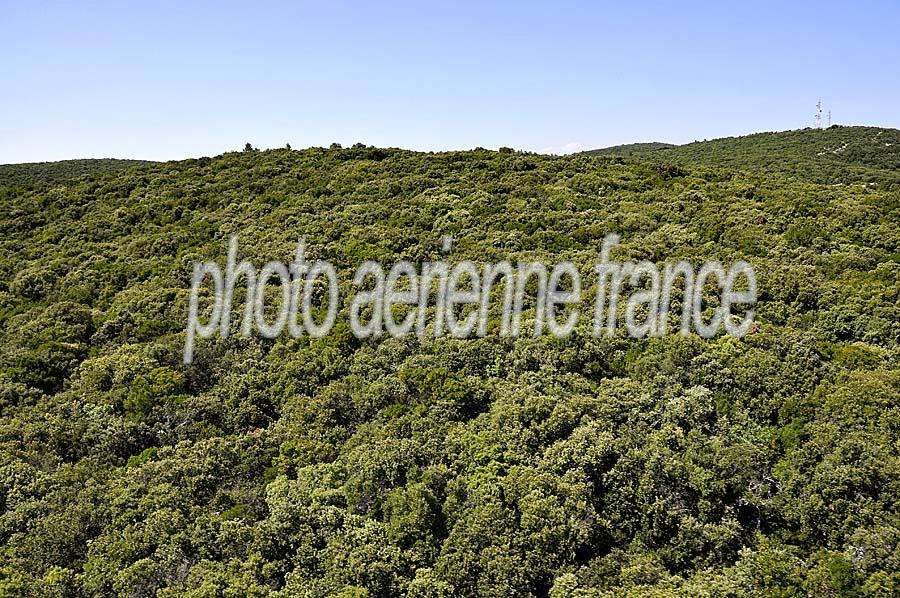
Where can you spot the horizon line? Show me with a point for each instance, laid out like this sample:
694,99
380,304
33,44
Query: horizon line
582,149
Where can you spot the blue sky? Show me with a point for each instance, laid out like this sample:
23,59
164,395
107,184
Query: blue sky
167,80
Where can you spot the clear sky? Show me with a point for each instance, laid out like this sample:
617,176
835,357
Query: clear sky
165,80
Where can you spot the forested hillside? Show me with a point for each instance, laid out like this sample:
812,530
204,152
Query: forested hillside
762,466
837,155
43,174
631,149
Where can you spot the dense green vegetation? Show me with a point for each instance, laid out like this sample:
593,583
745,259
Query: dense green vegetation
631,149
43,174
837,155
768,465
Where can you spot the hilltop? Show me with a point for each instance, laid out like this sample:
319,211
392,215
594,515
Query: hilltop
631,149
837,155
43,174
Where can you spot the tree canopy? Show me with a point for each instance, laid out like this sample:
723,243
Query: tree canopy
583,466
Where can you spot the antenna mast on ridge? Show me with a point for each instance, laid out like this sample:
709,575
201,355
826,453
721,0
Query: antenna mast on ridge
819,114
828,126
